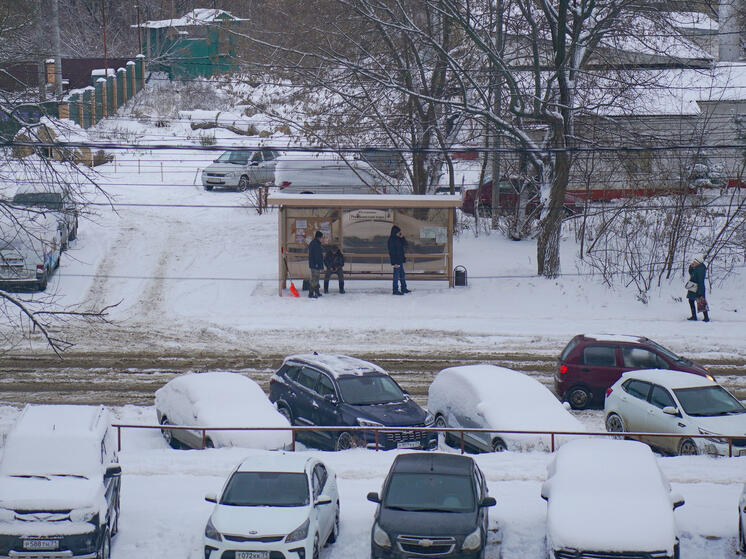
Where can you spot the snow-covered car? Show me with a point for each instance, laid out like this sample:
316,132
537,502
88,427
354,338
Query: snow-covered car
240,169
326,174
608,498
219,399
50,199
742,521
30,250
59,484
490,397
283,505
673,402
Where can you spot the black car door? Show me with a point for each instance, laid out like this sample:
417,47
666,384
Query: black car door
306,397
325,410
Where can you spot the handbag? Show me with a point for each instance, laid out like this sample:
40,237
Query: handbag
691,286
702,305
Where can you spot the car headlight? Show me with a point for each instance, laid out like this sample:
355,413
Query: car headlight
367,423
380,537
211,533
300,533
429,419
7,515
715,438
83,515
473,541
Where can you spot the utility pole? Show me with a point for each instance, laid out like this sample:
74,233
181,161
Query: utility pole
41,70
57,49
497,101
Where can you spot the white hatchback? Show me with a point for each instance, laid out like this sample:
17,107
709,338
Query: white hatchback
663,401
278,505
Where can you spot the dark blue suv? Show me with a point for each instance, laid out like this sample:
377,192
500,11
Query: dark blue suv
337,390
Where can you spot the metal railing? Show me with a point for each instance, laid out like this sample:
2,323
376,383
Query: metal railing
378,431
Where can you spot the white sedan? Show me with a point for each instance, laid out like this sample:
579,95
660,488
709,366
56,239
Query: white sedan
219,399
283,505
608,498
662,401
490,397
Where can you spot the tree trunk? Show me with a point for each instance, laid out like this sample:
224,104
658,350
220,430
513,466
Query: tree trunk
547,245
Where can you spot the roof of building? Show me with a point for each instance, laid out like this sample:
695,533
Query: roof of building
198,16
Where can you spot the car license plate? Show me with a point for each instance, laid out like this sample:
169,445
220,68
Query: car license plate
409,444
41,544
252,554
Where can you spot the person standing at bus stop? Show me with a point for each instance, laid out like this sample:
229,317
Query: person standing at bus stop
316,264
397,245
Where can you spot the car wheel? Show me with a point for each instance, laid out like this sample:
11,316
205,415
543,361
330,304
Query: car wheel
615,424
209,443
335,529
243,183
42,285
104,550
741,537
316,552
346,441
115,525
579,397
498,445
208,187
168,434
57,264
443,438
285,412
688,448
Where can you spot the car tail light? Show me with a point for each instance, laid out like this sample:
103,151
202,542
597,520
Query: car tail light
609,391
563,369
40,268
285,184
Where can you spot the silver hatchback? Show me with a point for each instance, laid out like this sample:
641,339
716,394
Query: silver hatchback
240,169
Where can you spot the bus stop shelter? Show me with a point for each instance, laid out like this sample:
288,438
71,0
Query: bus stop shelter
360,225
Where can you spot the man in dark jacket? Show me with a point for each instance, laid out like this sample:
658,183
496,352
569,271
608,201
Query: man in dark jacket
316,264
335,262
697,274
397,245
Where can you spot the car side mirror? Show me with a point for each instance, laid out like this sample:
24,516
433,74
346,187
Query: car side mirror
211,498
488,502
332,399
670,410
322,501
112,471
373,497
677,499
545,490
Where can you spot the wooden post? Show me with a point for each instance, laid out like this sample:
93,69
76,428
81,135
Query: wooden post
449,245
281,273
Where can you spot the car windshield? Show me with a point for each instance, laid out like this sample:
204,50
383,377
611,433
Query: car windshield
50,200
235,157
667,352
430,492
708,401
266,489
363,390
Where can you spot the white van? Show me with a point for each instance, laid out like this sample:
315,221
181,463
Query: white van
30,250
59,484
325,173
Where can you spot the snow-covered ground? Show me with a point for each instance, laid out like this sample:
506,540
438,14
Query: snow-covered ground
164,512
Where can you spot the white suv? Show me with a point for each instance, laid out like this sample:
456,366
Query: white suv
278,505
59,484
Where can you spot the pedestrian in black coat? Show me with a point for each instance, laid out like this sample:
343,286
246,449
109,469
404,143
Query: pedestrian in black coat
335,262
697,275
316,264
397,245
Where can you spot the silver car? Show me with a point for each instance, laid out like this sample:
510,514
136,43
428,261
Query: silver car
30,248
240,169
53,200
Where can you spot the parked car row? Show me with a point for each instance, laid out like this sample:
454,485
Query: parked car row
60,486
42,223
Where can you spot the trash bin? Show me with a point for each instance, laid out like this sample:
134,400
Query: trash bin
459,276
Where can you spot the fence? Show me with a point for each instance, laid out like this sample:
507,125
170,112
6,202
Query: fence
378,431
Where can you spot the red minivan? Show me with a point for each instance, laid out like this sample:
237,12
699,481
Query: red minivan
589,364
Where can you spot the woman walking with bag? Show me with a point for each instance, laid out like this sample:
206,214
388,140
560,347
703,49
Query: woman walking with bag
696,289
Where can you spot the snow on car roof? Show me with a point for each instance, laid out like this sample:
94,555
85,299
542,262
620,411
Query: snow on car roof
506,398
669,378
337,365
615,338
275,462
216,386
601,491
58,420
